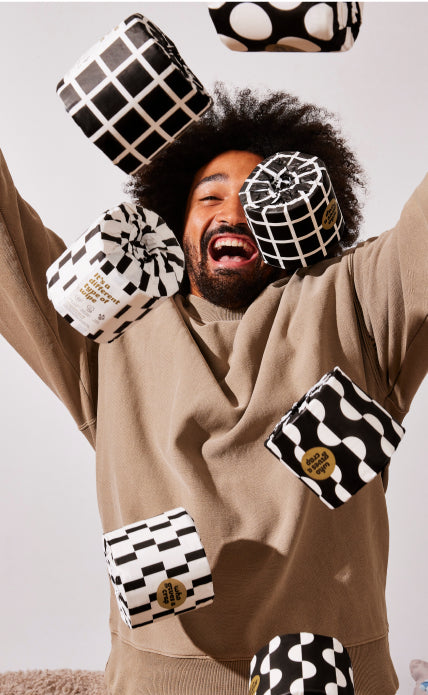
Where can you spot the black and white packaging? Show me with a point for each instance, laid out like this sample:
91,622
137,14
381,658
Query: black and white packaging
158,568
297,26
291,208
335,439
123,266
132,94
302,664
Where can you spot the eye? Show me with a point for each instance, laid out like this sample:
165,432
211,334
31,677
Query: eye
210,197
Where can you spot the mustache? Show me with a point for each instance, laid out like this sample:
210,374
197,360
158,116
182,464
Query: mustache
224,229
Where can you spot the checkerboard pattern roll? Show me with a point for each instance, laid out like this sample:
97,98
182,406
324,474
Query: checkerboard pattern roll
123,266
297,26
158,568
335,439
302,664
132,93
291,208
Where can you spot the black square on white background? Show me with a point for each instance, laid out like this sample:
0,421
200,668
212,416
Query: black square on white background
126,86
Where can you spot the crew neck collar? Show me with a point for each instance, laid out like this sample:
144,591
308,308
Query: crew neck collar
206,311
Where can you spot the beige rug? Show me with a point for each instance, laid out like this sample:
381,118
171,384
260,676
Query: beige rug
61,682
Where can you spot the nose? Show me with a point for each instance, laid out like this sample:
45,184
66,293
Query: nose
231,212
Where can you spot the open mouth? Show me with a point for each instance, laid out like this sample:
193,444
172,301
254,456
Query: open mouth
232,250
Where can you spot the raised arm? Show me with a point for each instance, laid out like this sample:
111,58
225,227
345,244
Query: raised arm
65,360
391,283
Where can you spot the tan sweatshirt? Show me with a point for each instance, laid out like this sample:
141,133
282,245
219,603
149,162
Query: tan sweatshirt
184,402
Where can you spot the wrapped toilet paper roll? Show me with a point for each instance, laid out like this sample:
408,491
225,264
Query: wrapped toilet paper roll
302,664
132,93
301,26
126,263
291,208
158,568
336,438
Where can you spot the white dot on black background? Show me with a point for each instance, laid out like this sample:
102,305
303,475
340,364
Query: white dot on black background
282,26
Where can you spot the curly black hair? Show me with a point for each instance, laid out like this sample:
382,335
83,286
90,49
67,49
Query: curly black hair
244,120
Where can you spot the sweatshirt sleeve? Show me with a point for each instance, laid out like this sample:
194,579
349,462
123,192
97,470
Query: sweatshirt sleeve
64,359
391,285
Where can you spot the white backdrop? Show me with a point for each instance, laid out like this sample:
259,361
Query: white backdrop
54,611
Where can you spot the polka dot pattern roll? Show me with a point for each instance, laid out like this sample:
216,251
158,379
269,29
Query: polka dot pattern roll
287,26
123,266
291,208
336,439
302,664
132,94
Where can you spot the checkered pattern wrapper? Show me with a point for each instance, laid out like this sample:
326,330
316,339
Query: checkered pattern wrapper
291,208
302,664
158,568
335,439
295,26
132,93
123,266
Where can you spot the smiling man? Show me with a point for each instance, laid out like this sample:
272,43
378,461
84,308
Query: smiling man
180,405
266,335
222,258
199,176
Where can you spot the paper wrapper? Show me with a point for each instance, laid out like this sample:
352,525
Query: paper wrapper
302,664
132,93
335,439
123,266
291,208
304,26
158,568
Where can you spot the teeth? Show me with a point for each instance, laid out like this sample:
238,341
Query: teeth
219,243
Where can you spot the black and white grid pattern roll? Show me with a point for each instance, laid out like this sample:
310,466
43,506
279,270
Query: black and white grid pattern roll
158,568
132,93
302,664
291,208
126,263
336,438
292,26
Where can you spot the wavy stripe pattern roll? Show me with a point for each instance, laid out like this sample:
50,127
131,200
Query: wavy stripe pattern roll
336,438
303,663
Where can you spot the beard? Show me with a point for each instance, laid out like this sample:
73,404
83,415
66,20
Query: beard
227,287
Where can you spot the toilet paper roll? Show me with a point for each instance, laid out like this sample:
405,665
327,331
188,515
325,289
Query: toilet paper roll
291,208
124,265
297,26
302,664
132,93
335,439
158,568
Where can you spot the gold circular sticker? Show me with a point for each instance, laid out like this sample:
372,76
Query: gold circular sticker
330,214
171,594
318,463
254,685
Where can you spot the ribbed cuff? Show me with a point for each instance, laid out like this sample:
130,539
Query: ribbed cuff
374,673
134,672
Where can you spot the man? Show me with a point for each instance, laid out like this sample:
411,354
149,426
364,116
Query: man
182,402
243,122
223,262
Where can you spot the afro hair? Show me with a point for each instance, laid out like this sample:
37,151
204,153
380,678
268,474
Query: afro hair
263,124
